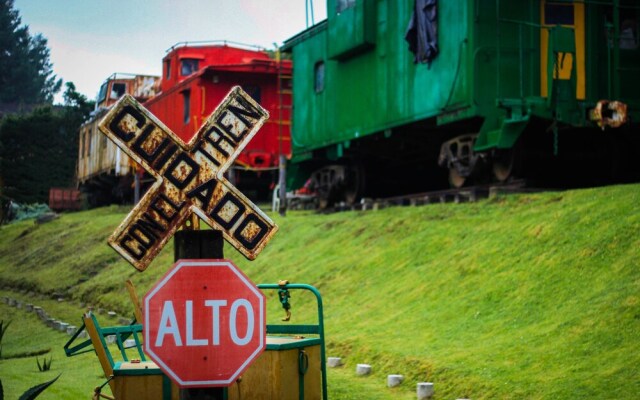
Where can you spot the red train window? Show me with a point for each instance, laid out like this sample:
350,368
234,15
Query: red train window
188,66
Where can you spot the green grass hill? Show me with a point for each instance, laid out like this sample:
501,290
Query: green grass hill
529,296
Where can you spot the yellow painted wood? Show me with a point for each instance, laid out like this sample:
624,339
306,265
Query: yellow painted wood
101,352
141,387
274,376
133,295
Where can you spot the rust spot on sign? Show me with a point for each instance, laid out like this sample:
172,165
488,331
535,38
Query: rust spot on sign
189,178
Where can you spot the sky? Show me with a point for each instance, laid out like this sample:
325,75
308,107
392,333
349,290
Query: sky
91,39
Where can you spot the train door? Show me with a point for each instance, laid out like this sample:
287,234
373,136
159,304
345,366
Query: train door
571,15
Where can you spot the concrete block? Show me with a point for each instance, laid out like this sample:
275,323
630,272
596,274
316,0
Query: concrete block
334,362
424,390
363,369
394,380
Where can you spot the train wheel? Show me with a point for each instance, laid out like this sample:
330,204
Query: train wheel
455,179
503,164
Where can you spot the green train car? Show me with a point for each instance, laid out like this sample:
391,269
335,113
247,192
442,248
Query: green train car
394,96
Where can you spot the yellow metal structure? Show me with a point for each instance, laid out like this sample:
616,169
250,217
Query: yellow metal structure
568,62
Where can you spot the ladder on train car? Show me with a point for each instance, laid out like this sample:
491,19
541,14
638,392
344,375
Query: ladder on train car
284,87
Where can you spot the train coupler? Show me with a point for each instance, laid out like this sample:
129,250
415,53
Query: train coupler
607,113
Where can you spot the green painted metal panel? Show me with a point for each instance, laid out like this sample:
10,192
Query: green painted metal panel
488,68
381,88
352,30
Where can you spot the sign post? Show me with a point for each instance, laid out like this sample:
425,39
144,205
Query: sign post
204,321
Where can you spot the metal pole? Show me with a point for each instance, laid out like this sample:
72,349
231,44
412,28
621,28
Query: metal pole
197,244
282,181
136,187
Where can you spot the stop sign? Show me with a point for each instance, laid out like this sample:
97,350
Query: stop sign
204,323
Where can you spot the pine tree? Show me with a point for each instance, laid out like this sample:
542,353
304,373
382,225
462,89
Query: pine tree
26,73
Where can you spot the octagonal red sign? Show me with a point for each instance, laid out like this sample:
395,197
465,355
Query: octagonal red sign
204,323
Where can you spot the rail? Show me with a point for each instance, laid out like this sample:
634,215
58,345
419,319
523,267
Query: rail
215,42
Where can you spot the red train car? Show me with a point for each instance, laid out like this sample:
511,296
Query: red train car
195,78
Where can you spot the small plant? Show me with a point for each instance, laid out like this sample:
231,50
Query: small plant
35,391
46,365
3,329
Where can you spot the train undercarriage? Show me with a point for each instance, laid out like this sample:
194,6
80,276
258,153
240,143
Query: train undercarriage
545,156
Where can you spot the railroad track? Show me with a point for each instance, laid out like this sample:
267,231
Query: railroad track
461,195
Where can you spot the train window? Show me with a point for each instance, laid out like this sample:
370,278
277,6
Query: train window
558,14
186,109
629,34
253,91
344,4
102,94
188,66
167,69
319,77
118,89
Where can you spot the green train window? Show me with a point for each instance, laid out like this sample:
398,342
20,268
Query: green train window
318,84
558,14
629,38
344,4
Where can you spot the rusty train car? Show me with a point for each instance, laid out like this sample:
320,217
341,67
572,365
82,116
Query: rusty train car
386,91
104,172
195,78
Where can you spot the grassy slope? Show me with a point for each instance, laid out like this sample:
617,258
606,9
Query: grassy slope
529,296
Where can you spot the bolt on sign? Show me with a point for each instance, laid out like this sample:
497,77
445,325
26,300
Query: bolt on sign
189,177
204,323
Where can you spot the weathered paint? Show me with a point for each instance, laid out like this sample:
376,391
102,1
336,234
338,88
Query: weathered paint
489,74
96,154
609,114
189,178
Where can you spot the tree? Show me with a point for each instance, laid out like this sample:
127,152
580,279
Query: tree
26,73
39,150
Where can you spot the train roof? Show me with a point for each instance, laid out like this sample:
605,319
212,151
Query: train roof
304,35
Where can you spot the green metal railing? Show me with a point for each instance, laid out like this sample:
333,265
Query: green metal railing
307,329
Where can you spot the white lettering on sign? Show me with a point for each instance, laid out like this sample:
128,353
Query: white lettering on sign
215,310
168,325
233,325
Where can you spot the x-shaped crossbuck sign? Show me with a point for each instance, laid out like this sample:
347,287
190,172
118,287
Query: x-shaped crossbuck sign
189,177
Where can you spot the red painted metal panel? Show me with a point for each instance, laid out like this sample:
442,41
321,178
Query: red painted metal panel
220,68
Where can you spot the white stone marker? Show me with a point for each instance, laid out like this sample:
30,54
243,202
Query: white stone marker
363,369
424,390
394,380
333,362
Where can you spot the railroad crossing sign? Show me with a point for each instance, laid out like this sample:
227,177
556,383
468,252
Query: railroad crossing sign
189,177
204,323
